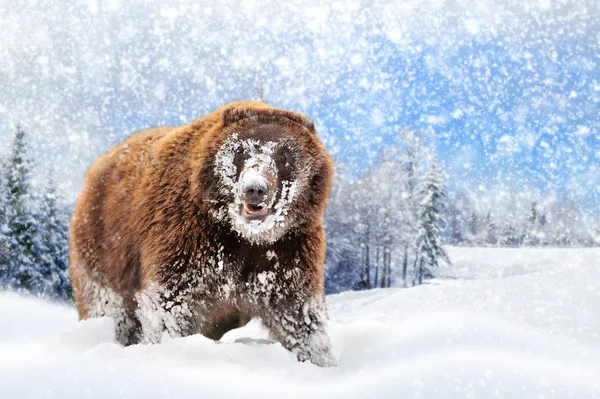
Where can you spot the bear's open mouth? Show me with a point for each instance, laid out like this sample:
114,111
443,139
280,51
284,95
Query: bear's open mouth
255,211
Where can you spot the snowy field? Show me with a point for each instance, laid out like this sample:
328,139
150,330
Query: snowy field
503,323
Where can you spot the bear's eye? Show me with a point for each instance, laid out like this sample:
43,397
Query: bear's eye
282,159
239,157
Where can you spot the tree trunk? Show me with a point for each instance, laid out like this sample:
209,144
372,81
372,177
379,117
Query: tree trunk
376,266
362,266
367,260
384,268
417,270
389,273
405,267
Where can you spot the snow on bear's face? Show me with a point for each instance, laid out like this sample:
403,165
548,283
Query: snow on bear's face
261,174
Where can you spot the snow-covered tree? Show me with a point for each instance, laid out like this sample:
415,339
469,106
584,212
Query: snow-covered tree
473,234
391,217
532,233
414,154
33,230
565,224
431,222
455,233
372,222
4,237
491,233
343,256
509,233
52,244
21,273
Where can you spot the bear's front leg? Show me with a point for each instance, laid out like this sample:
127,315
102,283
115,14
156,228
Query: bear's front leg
161,311
300,326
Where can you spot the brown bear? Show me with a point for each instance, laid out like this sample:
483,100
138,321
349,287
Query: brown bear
179,228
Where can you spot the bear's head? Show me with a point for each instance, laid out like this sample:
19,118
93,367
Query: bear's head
266,173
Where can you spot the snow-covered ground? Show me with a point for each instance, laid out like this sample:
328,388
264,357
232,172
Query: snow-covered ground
503,323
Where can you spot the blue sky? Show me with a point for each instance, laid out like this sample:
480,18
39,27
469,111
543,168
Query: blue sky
531,120
511,89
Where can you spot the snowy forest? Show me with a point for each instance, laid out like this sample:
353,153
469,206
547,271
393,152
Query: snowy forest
377,225
33,228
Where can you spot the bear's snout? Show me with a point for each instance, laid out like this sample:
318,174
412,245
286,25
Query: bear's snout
257,191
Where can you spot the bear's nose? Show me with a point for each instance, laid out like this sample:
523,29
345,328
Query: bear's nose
256,193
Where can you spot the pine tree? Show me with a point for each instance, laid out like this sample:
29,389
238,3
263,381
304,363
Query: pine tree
531,232
4,240
343,256
53,243
509,232
33,230
473,228
414,154
21,271
491,235
430,225
455,226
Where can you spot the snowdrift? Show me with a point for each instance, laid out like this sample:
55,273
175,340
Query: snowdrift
474,333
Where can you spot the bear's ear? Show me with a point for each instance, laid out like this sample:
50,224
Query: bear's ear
309,124
297,118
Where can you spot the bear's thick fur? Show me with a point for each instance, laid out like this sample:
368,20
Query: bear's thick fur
179,228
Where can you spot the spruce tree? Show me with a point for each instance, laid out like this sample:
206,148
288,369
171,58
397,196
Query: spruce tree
53,237
491,236
431,221
21,272
532,235
455,226
474,228
4,243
